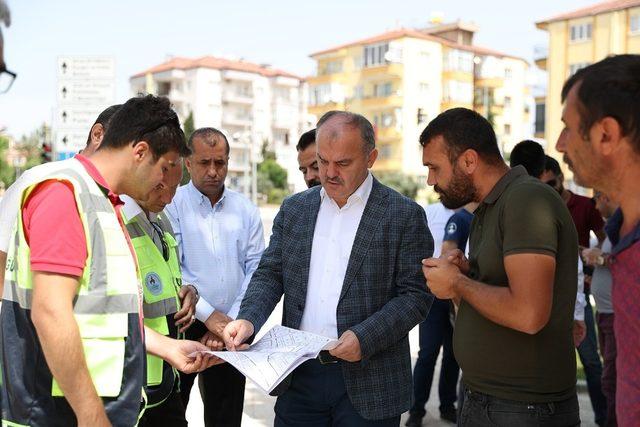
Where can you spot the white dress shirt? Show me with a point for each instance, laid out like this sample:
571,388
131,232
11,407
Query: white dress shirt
220,246
333,239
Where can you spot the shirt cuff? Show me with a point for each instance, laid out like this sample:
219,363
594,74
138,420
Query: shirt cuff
203,310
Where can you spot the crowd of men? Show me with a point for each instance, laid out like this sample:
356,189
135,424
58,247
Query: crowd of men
118,281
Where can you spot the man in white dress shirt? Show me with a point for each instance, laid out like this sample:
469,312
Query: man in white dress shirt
220,238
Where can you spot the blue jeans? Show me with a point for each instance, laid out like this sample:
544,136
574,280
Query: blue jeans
590,359
317,397
435,332
481,410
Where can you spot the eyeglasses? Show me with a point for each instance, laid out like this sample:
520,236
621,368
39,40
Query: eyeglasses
160,233
6,80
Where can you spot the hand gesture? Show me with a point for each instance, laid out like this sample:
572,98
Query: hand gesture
441,275
236,333
186,315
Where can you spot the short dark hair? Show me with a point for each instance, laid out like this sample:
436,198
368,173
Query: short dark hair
551,164
104,118
529,154
464,129
306,139
209,136
609,88
356,121
149,118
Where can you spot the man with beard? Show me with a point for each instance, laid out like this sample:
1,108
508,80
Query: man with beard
601,142
307,159
516,292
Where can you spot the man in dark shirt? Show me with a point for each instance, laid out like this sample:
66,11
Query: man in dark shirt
601,144
587,219
516,293
456,232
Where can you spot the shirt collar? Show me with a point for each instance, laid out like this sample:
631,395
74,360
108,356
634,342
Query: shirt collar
99,179
200,198
503,183
362,192
612,228
131,208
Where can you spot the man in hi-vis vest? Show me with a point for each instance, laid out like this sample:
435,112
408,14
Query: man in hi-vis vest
169,304
72,341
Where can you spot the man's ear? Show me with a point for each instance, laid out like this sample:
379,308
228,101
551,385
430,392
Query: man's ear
141,150
468,161
607,135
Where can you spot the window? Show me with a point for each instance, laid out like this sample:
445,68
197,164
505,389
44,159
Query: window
573,68
634,24
457,91
424,88
386,151
424,55
508,73
382,90
320,94
458,60
358,92
507,129
386,120
374,55
539,123
581,32
333,67
507,102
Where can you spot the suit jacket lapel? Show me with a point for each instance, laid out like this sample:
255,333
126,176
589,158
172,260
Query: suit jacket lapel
371,217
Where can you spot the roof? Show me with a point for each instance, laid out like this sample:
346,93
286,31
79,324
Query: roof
595,9
179,63
408,32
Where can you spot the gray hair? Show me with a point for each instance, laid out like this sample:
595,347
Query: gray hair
355,121
210,136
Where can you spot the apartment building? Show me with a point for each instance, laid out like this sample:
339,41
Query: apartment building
252,104
579,38
402,79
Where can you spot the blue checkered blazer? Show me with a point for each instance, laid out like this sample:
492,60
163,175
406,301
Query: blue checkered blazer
383,295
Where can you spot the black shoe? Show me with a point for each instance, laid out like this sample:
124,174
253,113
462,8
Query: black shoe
414,421
449,415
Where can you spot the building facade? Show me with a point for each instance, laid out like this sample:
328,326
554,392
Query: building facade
252,104
577,39
402,79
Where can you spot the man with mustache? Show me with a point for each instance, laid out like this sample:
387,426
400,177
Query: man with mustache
307,160
586,219
346,258
220,237
601,141
516,292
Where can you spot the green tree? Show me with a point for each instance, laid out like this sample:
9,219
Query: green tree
7,173
402,183
188,128
272,178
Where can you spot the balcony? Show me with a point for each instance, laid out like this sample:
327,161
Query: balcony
237,120
237,98
490,82
540,55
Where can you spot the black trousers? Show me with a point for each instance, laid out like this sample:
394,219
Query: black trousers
170,413
481,410
221,388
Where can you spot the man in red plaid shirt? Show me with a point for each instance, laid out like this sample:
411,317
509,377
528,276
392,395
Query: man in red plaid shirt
601,144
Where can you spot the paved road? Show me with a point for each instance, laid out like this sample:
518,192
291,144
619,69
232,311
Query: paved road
258,407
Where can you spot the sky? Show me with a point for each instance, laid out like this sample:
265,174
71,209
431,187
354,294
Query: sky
143,33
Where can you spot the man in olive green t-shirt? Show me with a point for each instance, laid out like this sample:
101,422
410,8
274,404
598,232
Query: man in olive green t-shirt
516,293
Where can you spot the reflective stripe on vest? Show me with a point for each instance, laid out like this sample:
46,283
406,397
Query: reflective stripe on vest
108,288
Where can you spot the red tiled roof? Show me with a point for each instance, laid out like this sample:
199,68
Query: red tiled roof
215,63
595,9
408,32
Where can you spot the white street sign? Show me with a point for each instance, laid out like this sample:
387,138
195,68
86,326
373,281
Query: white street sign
71,140
77,116
86,91
86,67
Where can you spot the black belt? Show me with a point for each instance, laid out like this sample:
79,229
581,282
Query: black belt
326,358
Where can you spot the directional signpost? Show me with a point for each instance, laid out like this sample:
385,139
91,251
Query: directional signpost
86,86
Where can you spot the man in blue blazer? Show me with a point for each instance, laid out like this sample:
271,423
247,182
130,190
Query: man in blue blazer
347,258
